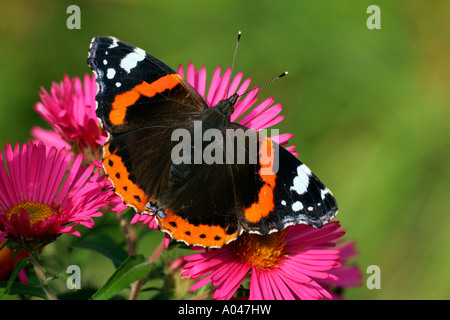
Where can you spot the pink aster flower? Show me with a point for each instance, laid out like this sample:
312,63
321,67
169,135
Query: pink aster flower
290,264
70,109
44,194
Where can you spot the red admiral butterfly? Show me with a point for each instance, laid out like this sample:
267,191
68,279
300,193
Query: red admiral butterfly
140,102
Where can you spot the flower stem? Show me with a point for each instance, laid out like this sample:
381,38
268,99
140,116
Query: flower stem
158,251
126,232
41,275
138,284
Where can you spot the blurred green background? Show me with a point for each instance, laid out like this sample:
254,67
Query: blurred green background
369,108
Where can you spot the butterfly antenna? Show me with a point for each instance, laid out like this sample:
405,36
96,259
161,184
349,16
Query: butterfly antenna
266,83
234,58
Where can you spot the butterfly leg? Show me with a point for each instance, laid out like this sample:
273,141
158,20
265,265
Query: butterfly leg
152,209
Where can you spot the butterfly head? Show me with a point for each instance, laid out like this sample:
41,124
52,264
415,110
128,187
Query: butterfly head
226,106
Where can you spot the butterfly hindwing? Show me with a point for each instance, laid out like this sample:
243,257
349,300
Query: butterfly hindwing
259,197
203,200
296,196
286,192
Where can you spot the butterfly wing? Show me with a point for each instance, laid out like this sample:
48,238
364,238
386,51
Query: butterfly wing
286,192
291,194
204,200
135,88
258,196
140,101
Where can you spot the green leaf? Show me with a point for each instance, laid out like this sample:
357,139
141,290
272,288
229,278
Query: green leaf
105,247
132,269
22,263
20,288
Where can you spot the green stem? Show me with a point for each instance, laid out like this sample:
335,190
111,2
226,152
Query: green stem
138,284
41,275
126,232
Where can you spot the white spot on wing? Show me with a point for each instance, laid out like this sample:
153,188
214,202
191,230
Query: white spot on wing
113,44
118,84
105,62
283,203
324,192
131,60
301,181
110,73
297,206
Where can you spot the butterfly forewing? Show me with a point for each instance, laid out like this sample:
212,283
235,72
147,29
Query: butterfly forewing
140,101
135,89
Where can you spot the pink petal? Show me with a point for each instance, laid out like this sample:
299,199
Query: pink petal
256,111
213,86
235,84
222,87
191,74
201,84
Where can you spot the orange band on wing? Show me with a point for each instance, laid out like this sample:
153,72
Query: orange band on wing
131,194
128,98
120,105
162,84
203,235
265,204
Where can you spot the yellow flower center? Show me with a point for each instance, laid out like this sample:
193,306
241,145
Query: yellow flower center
262,252
36,211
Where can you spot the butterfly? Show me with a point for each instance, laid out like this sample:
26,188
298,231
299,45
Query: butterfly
146,108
